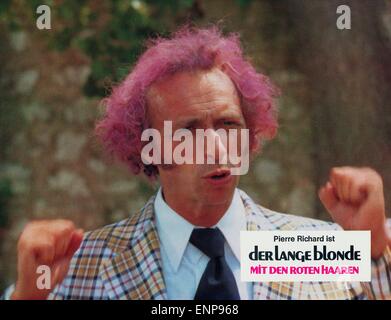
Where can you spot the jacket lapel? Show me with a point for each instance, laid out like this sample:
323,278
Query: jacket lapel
256,220
135,272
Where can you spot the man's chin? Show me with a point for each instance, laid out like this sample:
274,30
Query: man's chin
217,195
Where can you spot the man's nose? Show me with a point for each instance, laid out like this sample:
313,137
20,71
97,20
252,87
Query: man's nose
215,147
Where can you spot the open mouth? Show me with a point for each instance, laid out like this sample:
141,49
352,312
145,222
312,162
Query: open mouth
219,176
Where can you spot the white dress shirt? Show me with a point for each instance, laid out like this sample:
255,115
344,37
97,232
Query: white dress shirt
183,264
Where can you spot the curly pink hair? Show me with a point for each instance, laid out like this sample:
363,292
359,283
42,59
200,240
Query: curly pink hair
188,49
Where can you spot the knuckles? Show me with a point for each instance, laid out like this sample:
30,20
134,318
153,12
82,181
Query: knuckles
42,235
33,242
356,175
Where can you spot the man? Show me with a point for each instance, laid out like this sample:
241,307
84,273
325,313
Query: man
173,246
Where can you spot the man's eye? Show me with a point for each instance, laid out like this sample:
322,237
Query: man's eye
230,123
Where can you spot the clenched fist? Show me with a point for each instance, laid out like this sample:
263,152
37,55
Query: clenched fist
48,242
355,200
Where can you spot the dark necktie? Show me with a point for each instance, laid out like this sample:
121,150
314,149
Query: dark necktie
217,281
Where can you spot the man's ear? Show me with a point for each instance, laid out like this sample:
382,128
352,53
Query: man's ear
151,170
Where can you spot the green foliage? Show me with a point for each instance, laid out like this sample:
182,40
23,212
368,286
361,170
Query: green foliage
110,33
243,3
8,122
4,6
5,195
113,45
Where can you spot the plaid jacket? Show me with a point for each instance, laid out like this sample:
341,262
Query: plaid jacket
122,261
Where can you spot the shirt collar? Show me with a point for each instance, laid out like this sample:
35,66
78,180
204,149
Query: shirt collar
232,222
174,243
174,231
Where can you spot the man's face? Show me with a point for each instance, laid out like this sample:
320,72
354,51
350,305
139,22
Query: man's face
197,100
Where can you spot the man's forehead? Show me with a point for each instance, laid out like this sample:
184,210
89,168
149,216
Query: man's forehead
185,86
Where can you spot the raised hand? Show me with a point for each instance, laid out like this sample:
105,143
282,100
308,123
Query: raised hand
355,200
47,242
